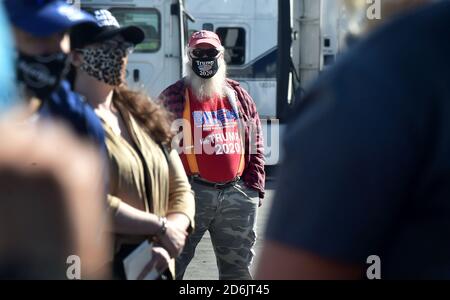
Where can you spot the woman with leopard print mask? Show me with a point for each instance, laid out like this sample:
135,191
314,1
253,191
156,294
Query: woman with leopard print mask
149,194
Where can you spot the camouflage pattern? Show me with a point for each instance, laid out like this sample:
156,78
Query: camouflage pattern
230,217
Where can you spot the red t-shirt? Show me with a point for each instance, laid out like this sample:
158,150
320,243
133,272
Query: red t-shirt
215,137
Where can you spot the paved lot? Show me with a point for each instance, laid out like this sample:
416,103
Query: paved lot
203,266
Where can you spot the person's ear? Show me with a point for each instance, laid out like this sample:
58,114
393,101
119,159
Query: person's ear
76,58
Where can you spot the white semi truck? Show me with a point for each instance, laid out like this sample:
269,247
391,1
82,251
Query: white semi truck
273,47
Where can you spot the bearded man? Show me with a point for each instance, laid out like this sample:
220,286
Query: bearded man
222,153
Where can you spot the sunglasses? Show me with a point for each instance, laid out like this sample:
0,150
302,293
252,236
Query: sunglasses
201,53
114,44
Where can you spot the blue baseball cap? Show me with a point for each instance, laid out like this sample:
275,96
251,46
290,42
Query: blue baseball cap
45,17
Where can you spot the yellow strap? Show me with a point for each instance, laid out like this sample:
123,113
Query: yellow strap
187,137
187,141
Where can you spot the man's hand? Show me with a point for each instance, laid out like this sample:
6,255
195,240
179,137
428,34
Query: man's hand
260,202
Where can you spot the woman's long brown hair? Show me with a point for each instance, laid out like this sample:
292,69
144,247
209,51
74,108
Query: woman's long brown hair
153,117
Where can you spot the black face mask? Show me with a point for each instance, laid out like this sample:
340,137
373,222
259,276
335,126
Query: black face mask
41,74
205,67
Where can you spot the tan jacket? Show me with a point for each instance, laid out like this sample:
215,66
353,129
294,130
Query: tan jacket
161,187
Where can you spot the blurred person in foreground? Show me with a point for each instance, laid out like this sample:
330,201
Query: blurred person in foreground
149,193
223,155
49,208
366,170
40,30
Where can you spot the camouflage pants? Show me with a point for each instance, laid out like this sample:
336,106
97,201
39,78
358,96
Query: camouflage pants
230,217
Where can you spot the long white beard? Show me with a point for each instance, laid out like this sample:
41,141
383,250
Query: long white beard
204,89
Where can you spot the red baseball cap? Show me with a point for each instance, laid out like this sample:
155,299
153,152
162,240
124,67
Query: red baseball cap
204,37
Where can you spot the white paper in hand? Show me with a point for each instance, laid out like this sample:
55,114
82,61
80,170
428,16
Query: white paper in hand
135,263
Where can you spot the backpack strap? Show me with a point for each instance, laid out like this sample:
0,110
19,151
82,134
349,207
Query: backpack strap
187,136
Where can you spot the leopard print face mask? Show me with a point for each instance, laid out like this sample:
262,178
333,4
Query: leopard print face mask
104,63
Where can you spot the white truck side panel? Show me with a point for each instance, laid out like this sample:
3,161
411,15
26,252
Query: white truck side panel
319,28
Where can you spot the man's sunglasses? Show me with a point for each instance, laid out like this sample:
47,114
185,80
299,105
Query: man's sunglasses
201,53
